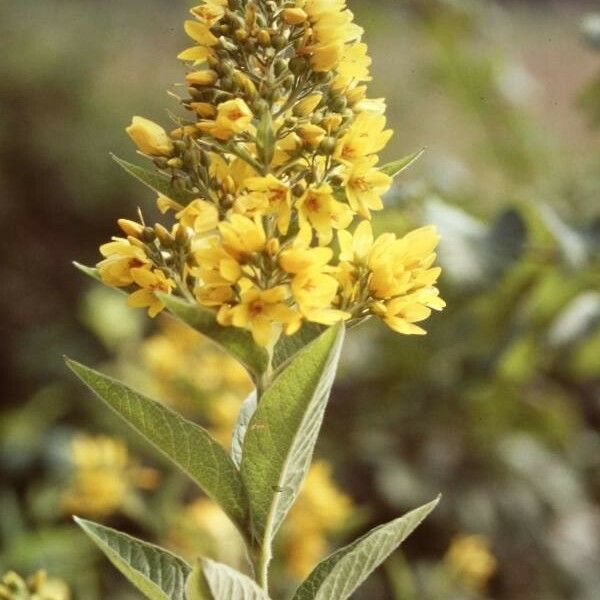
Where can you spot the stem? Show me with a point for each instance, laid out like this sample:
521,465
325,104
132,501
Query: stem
261,567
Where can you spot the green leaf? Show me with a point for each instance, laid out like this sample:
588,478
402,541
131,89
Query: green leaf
395,168
282,433
214,581
157,181
237,342
265,138
340,574
188,445
241,426
89,271
289,345
158,574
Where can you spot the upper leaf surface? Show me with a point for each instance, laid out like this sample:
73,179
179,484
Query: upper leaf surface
158,574
215,581
282,433
158,182
339,575
188,445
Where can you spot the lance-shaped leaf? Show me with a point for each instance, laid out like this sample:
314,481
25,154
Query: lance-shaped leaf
237,342
188,445
338,576
395,168
241,426
158,574
211,580
158,182
289,345
89,271
265,138
282,433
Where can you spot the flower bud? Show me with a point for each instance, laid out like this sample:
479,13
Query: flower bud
293,16
175,163
148,235
298,65
264,38
150,137
166,239
327,146
131,228
311,134
201,78
306,106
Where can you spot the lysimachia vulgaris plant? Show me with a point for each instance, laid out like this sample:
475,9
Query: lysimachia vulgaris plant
268,183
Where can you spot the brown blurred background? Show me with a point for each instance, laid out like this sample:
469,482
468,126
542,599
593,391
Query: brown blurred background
499,408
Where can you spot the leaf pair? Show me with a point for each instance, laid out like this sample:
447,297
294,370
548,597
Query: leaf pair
161,575
272,446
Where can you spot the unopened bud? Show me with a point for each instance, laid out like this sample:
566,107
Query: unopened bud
327,146
166,239
307,105
298,65
293,16
241,35
148,235
299,189
131,228
202,78
175,163
264,38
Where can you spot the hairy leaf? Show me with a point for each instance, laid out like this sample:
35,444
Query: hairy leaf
282,433
395,168
241,426
214,581
158,574
158,182
188,445
289,345
340,574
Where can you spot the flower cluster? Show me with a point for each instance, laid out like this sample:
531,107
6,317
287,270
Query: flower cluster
194,376
104,477
37,587
274,165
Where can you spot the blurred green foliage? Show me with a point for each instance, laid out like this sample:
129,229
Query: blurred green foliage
498,407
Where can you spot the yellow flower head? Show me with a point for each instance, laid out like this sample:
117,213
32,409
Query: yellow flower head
264,313
278,151
149,137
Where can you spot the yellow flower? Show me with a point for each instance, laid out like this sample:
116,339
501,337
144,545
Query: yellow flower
37,587
365,136
103,478
300,257
323,212
396,273
469,558
121,256
401,313
150,282
311,134
233,117
314,292
150,137
200,215
293,16
262,312
211,12
354,64
365,185
243,236
273,195
201,34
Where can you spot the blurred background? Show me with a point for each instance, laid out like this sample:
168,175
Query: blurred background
498,407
